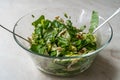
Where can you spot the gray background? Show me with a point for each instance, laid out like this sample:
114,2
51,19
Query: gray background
15,64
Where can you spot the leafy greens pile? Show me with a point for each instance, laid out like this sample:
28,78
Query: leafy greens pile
59,38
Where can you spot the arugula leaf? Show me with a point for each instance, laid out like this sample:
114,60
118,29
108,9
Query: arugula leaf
39,49
53,53
65,15
63,42
32,16
94,21
38,21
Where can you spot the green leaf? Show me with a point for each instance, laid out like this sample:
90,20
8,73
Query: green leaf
65,14
33,16
53,53
34,48
77,43
48,24
69,23
91,46
39,49
94,21
50,35
63,42
38,21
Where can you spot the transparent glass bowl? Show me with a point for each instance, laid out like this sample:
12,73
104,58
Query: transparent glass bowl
64,66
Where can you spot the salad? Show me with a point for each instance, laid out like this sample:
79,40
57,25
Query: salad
60,38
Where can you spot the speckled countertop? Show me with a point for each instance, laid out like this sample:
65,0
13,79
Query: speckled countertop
15,64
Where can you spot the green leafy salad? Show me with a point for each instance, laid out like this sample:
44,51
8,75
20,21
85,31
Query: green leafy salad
60,38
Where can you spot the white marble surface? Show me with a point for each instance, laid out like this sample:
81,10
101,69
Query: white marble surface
15,64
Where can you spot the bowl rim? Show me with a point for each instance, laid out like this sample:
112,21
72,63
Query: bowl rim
81,56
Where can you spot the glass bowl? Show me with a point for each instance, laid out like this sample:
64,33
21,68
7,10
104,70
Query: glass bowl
62,66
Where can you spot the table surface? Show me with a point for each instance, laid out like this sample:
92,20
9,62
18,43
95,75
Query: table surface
15,64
